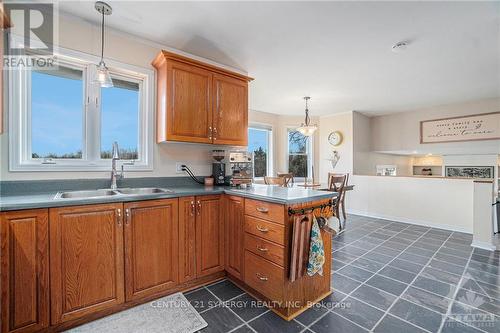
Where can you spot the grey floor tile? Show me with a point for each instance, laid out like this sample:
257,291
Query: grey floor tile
387,251
451,259
454,252
487,253
310,315
344,256
439,275
426,246
374,296
220,319
337,244
391,324
380,235
427,299
334,323
271,322
246,307
369,265
434,286
417,315
354,250
202,299
494,261
483,276
360,313
396,245
356,273
387,285
397,274
414,258
475,317
481,288
334,300
447,267
244,329
337,264
490,269
343,283
225,290
421,252
479,301
452,326
406,265
382,258
459,247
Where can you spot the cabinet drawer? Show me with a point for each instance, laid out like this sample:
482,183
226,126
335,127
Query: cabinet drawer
265,210
265,249
264,276
267,230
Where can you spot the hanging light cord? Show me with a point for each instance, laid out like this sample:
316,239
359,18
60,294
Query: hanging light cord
102,36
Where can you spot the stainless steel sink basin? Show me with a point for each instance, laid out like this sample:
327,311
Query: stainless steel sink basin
85,194
143,190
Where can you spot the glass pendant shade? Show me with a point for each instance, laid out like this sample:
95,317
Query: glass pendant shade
103,78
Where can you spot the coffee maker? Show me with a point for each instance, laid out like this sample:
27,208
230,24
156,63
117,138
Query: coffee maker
218,167
241,165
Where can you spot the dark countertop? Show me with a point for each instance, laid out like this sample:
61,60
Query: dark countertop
281,195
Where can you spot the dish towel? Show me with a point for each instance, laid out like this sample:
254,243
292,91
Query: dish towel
316,251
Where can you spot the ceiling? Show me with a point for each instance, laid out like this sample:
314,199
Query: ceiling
339,53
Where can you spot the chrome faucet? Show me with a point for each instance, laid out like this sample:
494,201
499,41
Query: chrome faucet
115,157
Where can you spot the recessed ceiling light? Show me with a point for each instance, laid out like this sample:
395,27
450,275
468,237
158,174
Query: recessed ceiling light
399,47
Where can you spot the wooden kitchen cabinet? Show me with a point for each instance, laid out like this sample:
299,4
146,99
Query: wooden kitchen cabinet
209,235
198,102
234,229
151,247
24,260
86,260
230,110
187,239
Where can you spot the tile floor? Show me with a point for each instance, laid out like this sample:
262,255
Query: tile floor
387,277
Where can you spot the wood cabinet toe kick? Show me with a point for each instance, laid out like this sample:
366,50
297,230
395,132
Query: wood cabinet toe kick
53,250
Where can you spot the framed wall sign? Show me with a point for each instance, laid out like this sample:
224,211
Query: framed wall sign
485,126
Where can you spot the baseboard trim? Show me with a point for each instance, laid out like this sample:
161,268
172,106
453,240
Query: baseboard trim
483,245
410,221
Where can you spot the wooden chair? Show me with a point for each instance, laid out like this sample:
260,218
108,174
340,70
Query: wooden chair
288,178
337,183
274,181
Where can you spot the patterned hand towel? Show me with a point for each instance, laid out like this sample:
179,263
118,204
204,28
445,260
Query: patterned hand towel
316,251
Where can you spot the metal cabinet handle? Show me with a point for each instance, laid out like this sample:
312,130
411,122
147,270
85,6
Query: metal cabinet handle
262,210
262,229
262,249
215,133
262,278
210,132
119,217
198,204
127,216
192,208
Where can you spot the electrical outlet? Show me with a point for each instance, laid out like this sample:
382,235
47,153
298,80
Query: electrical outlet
178,167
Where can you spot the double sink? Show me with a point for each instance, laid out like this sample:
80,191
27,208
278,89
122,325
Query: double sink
108,192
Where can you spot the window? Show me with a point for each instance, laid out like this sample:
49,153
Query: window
63,121
299,154
259,142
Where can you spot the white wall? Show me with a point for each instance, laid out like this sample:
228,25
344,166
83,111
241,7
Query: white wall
436,202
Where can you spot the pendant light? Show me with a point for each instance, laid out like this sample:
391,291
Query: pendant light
103,78
306,128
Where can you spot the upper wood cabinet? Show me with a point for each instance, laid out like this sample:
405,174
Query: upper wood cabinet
198,102
24,279
234,227
151,250
86,260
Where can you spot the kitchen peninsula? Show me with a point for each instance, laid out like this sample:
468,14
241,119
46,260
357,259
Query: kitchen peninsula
149,245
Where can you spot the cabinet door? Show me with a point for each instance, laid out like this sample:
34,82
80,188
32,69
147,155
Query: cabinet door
86,260
24,276
209,235
230,111
187,239
151,250
234,226
189,103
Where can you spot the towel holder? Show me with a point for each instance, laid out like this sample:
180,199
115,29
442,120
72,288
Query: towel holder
292,211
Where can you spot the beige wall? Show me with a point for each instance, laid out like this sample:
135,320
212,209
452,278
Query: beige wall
401,132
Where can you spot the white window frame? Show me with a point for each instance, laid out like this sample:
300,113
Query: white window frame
269,130
20,158
309,149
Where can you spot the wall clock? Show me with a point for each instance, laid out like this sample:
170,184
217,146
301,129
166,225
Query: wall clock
335,138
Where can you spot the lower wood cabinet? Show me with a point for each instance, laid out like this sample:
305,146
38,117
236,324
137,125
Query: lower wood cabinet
234,227
151,247
24,260
201,236
86,260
